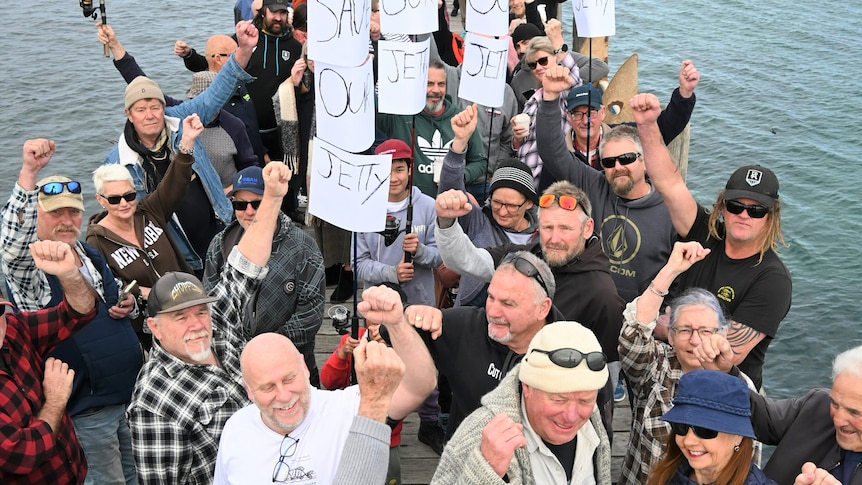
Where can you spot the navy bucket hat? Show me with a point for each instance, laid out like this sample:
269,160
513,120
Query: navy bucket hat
713,400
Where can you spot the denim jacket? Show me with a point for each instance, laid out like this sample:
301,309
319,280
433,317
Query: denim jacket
206,105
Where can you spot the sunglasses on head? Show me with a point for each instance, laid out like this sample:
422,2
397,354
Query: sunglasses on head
56,188
115,199
542,61
624,159
526,268
681,429
571,358
754,211
241,205
564,201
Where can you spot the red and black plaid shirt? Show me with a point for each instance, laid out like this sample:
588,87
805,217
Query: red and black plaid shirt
30,452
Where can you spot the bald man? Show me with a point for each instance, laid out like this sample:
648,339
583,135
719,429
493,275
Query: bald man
218,50
299,431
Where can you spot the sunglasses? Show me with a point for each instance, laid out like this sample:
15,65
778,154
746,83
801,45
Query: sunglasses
571,358
681,429
219,55
542,61
754,211
526,268
281,472
564,201
56,188
624,159
241,205
115,199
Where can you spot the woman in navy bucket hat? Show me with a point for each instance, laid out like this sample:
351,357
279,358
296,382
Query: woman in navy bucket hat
712,439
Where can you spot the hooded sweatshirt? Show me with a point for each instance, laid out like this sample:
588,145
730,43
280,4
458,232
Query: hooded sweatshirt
433,138
636,234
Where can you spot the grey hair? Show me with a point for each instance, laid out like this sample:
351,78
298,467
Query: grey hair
564,187
544,272
436,64
622,132
113,172
848,362
698,297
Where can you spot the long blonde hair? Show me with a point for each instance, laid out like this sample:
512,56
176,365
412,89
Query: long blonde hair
771,237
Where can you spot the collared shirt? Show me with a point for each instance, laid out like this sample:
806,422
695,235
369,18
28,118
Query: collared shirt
178,410
29,285
546,467
30,451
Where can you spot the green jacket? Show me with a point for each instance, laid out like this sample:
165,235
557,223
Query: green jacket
433,138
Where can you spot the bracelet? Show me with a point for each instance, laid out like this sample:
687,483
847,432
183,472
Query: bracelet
652,288
187,151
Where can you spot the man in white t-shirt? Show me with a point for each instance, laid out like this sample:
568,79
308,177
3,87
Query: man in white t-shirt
294,432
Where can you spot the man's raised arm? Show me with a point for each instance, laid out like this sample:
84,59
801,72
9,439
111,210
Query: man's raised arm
662,169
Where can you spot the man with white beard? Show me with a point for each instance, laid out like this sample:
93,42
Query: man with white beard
192,382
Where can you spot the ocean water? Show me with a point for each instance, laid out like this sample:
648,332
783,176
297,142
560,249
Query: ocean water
779,86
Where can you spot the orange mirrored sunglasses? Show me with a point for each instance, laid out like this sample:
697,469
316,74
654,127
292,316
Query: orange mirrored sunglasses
564,201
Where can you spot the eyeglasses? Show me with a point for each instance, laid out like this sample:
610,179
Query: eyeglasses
56,188
685,333
497,205
564,201
241,205
624,159
754,211
115,199
542,61
579,115
219,55
281,472
571,358
681,429
526,268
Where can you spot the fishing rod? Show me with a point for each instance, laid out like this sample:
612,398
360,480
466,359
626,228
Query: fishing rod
90,11
589,102
408,224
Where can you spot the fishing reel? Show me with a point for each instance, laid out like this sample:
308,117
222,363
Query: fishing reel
391,231
89,9
340,316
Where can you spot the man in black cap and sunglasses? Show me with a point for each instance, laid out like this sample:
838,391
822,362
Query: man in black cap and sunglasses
743,230
106,354
541,424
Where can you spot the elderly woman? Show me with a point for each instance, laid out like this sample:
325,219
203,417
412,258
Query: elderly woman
696,341
133,235
711,437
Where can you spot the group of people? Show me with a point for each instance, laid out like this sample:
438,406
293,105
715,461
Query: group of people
176,344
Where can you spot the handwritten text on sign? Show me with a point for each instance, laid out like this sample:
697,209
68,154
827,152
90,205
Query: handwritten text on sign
344,104
490,17
349,190
483,73
408,16
402,76
594,18
338,31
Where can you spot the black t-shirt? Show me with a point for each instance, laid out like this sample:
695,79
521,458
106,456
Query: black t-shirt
755,294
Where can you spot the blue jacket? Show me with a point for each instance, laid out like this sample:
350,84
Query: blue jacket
755,476
206,105
105,354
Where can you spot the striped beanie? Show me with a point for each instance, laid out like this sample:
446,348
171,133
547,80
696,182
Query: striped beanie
515,174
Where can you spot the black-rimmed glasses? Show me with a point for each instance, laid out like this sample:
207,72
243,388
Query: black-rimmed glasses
624,159
542,61
681,429
115,199
56,188
579,115
754,211
571,358
241,205
497,205
527,269
281,472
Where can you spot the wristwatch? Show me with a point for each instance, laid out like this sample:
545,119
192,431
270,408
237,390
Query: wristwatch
564,48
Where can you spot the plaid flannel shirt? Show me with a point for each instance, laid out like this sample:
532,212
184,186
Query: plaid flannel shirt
30,451
29,285
178,410
528,152
653,371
